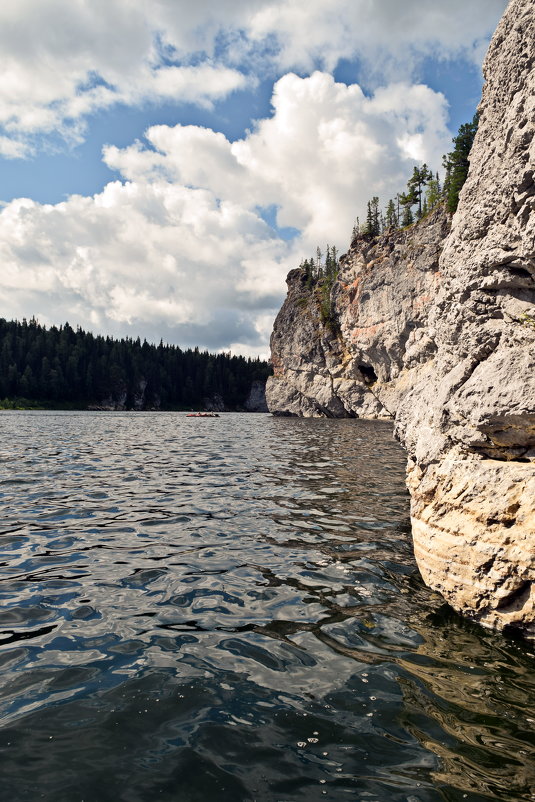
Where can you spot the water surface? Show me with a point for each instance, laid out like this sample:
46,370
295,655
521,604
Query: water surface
229,609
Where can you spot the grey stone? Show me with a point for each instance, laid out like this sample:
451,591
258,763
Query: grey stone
437,330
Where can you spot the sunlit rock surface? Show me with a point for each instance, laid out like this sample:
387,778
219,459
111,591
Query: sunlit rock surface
470,428
439,332
363,365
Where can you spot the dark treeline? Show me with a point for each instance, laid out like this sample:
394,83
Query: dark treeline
424,191
75,368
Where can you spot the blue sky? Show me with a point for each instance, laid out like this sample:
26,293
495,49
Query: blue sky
162,171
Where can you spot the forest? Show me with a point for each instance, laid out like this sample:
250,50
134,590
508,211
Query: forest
424,189
60,367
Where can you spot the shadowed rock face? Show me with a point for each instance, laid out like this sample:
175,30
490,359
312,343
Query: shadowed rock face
440,332
256,400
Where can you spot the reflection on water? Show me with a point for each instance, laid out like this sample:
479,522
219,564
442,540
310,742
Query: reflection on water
228,609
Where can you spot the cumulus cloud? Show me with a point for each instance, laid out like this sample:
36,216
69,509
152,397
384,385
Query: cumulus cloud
179,248
65,59
327,148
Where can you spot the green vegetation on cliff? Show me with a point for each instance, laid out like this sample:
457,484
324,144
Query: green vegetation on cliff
320,275
424,190
457,163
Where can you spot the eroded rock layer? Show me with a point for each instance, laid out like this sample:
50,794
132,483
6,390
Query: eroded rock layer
360,362
439,331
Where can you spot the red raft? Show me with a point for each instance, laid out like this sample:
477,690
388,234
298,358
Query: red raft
202,415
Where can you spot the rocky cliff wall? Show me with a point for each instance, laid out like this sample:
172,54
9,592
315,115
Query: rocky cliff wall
469,427
256,400
119,400
446,343
360,364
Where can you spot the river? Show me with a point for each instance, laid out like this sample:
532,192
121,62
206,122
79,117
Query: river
229,609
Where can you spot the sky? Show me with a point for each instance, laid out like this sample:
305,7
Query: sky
165,163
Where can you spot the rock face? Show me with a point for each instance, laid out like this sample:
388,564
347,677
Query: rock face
450,353
119,400
469,425
359,366
256,400
214,403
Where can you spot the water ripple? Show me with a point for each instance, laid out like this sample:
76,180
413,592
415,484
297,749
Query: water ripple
229,609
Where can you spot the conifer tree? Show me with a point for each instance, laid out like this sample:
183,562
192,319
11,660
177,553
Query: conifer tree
373,218
457,163
432,195
420,177
319,257
369,219
376,216
407,217
407,200
391,219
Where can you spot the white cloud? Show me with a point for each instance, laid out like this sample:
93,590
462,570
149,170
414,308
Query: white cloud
326,149
65,59
179,249
386,33
13,149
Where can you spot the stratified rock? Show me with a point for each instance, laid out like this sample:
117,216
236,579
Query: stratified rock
360,365
438,331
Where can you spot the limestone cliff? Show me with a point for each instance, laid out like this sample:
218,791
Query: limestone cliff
440,333
358,364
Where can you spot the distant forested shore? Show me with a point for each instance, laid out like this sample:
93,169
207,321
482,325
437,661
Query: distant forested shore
63,368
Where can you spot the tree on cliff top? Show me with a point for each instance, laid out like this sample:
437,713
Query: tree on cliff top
457,163
373,219
420,177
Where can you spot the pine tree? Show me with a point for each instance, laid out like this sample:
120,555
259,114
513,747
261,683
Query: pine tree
373,218
319,265
376,219
407,200
408,217
391,219
369,220
432,195
457,163
331,263
62,366
420,177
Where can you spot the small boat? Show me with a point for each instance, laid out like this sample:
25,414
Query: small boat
202,415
